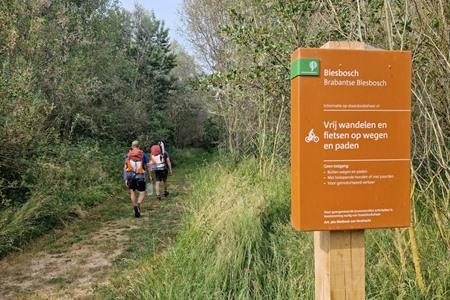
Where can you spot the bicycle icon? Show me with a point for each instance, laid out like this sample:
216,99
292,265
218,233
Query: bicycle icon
311,137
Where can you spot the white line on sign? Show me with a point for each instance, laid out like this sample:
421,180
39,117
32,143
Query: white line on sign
399,110
375,159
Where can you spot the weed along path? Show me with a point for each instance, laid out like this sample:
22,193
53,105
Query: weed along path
71,263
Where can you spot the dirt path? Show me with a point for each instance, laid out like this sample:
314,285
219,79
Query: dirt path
71,263
72,273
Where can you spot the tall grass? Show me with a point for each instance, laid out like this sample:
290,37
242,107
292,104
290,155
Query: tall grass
237,243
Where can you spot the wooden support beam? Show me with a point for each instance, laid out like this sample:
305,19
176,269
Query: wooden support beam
339,256
339,265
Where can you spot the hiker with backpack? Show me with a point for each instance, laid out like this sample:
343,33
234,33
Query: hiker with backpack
134,175
161,167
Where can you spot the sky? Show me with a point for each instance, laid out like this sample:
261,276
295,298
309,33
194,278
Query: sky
166,10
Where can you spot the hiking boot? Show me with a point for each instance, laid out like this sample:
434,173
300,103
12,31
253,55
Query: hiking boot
166,194
158,199
137,214
139,208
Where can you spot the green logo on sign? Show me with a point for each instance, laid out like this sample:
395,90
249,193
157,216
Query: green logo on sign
305,67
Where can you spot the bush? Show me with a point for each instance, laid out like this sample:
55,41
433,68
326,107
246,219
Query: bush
212,134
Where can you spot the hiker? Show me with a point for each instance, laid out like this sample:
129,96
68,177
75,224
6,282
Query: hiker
168,169
134,175
161,167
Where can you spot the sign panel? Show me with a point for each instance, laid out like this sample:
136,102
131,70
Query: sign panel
350,139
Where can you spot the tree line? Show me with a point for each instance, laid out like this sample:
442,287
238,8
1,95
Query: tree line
73,70
79,80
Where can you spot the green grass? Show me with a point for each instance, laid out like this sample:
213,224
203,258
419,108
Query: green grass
225,234
110,226
237,243
232,244
160,229
62,185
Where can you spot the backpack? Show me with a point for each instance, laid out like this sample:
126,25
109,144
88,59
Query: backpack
135,165
136,154
158,162
155,150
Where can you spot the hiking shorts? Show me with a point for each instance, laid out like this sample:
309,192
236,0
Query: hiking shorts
137,185
160,175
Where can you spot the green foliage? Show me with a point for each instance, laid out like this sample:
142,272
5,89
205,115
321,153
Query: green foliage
186,109
190,159
72,70
23,132
103,72
213,134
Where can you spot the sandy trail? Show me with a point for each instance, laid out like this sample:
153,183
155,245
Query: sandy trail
70,274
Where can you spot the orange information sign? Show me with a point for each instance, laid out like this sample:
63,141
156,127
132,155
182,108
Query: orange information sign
350,139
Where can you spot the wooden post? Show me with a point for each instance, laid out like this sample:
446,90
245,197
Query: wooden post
339,256
339,265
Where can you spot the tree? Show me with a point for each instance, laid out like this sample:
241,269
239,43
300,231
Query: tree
186,110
